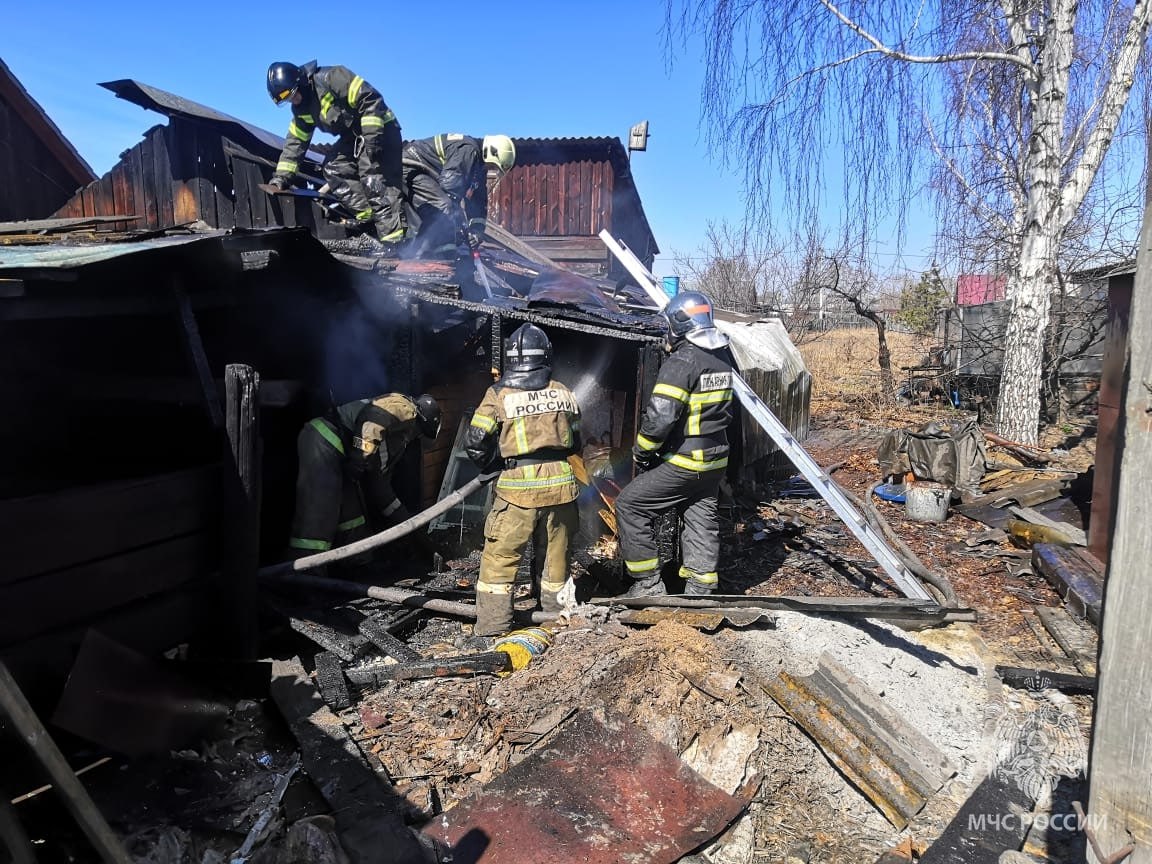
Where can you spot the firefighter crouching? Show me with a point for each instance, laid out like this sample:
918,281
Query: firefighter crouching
347,459
682,450
526,426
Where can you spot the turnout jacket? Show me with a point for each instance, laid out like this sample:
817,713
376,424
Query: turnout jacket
457,163
689,411
529,425
377,431
339,102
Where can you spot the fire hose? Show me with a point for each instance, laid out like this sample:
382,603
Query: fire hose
399,596
382,538
910,559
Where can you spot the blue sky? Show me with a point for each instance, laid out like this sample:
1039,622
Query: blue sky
544,69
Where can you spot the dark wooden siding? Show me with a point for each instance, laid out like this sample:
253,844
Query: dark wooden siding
187,171
34,181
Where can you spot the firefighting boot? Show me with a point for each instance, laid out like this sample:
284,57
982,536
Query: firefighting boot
698,584
493,609
646,585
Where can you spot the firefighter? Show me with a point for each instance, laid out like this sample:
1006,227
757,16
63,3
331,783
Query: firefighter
526,427
446,186
681,452
362,169
347,458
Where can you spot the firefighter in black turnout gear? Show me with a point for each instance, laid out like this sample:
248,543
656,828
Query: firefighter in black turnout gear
347,458
526,426
363,168
682,450
446,187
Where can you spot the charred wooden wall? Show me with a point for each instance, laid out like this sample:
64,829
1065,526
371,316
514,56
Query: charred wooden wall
187,171
34,178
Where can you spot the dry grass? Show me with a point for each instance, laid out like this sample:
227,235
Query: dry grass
843,362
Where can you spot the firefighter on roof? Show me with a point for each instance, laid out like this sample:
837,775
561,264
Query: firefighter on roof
682,450
363,168
446,186
347,458
526,426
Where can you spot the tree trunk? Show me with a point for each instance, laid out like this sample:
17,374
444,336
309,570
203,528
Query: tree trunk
884,359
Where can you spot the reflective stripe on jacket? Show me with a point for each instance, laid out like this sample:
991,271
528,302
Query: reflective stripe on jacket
338,102
689,410
537,427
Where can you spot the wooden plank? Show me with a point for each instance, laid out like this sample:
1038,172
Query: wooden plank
46,602
1121,796
198,358
27,725
147,149
237,623
369,813
99,521
1031,678
133,165
181,145
163,174
1074,534
1075,575
1075,639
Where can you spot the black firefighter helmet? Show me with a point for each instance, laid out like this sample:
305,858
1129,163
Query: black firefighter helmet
528,349
427,415
284,79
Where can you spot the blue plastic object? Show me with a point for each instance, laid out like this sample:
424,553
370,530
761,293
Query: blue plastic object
888,492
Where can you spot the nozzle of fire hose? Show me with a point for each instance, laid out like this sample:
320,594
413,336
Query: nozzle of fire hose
522,645
480,272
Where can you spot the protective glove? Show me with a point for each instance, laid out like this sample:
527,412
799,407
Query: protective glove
278,183
474,240
645,459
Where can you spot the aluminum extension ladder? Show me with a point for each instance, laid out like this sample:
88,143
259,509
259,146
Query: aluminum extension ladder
905,580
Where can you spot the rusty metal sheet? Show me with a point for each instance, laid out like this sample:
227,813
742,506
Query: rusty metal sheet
701,619
604,791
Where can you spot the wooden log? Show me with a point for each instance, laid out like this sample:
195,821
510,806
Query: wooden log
198,358
1076,576
484,663
28,726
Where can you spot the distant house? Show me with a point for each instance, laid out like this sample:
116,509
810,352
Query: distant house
976,289
39,167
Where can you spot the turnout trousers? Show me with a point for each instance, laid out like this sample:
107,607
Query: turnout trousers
368,180
692,495
507,532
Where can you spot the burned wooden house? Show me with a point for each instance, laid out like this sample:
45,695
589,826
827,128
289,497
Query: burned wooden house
117,344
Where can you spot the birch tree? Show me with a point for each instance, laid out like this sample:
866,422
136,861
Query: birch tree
1004,112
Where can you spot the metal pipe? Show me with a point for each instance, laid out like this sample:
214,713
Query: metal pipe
382,538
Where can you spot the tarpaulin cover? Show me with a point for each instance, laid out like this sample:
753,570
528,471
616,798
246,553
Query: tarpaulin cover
954,454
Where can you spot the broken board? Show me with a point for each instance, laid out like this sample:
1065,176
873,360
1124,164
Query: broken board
603,791
1075,574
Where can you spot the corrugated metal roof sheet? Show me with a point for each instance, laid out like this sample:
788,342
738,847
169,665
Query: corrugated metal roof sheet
169,104
59,256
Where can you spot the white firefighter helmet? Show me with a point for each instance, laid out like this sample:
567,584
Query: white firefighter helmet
499,152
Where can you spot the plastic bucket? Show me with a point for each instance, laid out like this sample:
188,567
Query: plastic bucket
926,502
